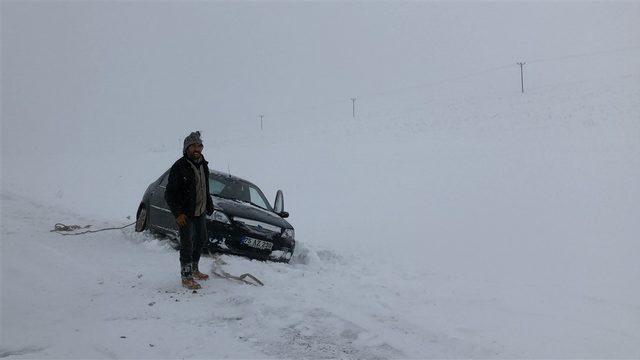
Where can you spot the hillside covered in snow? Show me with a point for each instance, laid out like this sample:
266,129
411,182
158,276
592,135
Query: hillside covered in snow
452,217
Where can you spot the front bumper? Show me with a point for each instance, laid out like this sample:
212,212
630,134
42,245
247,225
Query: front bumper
228,239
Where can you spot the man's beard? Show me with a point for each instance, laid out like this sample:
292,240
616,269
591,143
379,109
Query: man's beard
195,159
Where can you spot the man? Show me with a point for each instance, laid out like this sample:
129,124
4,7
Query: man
187,195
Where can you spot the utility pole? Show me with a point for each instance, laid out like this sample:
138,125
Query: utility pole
261,116
521,75
353,103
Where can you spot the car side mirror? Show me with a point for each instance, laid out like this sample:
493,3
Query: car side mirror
278,204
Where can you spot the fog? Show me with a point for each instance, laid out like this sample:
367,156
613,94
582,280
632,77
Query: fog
126,70
506,221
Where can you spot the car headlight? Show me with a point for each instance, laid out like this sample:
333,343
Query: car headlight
219,216
288,234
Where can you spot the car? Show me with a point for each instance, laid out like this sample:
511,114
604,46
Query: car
243,222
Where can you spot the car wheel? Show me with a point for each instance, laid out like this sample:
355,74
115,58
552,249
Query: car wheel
141,219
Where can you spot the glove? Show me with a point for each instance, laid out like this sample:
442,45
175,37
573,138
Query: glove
181,220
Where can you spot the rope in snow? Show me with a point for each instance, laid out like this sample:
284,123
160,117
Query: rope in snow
217,271
60,228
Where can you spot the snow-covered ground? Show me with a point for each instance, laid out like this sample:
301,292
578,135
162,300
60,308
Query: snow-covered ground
487,239
448,221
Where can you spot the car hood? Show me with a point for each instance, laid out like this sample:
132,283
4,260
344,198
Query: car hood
241,209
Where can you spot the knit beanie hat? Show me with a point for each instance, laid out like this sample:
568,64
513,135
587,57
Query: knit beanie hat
193,138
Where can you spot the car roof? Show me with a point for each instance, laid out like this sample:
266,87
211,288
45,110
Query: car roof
227,175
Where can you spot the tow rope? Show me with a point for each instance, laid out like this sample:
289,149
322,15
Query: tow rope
217,271
61,228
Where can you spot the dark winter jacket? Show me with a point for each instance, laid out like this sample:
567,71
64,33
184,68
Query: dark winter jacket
181,188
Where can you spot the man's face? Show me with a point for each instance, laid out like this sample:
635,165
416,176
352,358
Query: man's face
194,151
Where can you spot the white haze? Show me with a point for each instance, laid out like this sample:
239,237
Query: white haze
452,217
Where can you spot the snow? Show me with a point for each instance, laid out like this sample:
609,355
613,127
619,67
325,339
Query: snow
449,219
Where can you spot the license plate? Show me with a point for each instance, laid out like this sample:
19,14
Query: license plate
257,243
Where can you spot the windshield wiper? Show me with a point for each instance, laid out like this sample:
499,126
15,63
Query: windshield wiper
223,197
252,203
240,200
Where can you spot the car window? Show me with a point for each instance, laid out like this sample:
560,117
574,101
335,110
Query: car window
215,186
232,188
256,198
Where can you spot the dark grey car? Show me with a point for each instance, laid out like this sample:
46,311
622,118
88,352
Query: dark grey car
243,221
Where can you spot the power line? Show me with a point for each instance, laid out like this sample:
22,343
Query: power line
451,79
422,106
594,53
437,82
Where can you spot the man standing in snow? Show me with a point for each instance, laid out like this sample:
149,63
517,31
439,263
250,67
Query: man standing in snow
187,195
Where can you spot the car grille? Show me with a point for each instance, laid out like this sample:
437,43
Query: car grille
258,225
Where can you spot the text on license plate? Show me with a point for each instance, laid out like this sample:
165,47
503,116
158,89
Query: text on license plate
257,243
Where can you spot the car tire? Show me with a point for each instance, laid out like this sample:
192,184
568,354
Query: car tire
142,219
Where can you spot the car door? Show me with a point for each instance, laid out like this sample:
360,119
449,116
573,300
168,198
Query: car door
161,215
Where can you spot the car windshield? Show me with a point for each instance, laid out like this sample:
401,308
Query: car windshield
235,189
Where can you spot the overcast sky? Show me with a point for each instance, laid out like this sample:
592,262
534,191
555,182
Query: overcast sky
103,70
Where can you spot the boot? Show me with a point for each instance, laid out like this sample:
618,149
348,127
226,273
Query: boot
197,274
200,276
191,284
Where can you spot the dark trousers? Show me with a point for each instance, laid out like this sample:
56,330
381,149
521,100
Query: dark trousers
193,236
